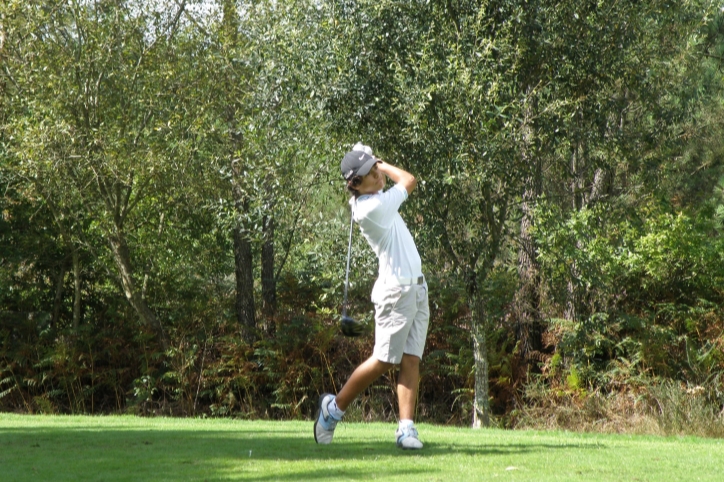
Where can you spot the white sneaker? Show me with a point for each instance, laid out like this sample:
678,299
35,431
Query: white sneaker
325,424
407,438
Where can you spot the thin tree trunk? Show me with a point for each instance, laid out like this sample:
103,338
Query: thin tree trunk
75,256
598,189
574,305
244,305
144,312
481,404
581,200
577,168
478,271
268,281
243,259
145,276
527,299
2,60
76,289
58,301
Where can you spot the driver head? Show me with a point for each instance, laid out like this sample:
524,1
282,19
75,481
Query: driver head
350,327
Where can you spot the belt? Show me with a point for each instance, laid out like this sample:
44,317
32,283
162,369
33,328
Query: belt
418,280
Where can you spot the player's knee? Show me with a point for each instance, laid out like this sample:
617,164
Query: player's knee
410,360
379,365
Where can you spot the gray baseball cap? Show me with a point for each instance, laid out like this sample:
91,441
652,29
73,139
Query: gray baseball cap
358,161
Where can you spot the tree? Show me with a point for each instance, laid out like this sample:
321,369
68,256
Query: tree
84,80
251,122
481,99
427,84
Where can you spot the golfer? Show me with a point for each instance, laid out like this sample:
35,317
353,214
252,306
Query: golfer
399,294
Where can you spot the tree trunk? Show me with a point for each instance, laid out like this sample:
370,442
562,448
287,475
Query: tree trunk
581,200
243,261
76,289
598,187
527,299
477,274
268,281
123,262
2,59
58,301
481,404
526,306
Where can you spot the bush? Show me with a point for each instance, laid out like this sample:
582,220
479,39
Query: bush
656,407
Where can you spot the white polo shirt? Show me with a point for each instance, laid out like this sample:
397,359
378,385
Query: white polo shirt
382,226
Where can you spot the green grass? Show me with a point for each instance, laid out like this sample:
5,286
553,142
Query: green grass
49,448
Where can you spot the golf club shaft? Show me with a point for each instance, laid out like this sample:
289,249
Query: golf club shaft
349,254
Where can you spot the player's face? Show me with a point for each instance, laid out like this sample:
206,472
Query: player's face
372,182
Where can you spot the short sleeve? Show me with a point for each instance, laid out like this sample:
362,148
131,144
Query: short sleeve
382,209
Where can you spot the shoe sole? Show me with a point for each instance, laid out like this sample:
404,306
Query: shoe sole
409,448
401,446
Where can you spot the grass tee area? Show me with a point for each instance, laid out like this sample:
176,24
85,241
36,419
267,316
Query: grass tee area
53,448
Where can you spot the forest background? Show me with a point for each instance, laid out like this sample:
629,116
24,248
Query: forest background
174,226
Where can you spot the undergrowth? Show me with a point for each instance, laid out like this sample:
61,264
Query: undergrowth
662,407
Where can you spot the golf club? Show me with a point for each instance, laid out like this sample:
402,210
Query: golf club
349,326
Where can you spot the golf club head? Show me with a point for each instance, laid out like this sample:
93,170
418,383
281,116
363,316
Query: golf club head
350,327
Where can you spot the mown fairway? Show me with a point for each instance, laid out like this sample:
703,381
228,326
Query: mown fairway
129,448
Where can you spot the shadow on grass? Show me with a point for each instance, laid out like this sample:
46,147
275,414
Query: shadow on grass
57,453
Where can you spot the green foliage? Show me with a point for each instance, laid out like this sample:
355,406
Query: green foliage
652,291
134,140
55,371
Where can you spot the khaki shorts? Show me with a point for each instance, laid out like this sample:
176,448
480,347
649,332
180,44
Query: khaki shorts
401,318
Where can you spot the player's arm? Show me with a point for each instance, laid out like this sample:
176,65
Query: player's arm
398,176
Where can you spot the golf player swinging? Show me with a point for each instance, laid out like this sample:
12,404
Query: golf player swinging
399,294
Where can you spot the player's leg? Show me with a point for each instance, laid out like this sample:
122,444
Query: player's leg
361,378
407,383
409,377
331,408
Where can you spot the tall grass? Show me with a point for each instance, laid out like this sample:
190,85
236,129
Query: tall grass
664,408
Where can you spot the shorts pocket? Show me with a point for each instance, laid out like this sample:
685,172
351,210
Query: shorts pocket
386,301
